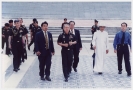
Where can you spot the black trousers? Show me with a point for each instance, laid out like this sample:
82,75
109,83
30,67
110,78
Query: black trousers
17,52
67,58
76,58
5,40
91,42
32,41
45,61
122,50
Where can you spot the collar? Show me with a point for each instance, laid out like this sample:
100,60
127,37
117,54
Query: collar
122,31
44,31
71,29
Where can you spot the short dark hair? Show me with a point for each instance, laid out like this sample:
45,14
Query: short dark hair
34,19
124,23
16,20
65,18
7,24
36,22
72,21
44,23
66,23
10,21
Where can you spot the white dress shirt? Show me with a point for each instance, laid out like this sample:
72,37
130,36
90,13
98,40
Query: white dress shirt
72,31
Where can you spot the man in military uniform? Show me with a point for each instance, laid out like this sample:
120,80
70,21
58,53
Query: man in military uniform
66,40
34,30
24,54
94,28
5,35
11,26
30,28
11,23
17,45
65,21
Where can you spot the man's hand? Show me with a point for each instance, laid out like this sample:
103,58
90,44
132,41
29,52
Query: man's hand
94,47
10,46
53,53
66,45
107,51
70,43
80,49
115,51
38,53
60,44
3,36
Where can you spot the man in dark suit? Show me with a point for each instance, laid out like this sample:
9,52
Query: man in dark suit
77,47
44,48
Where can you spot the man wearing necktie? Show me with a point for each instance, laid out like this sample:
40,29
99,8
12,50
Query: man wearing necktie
44,48
77,46
121,42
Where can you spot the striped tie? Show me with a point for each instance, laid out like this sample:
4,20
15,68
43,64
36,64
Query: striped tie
46,39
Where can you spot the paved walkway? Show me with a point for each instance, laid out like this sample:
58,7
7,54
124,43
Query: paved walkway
28,76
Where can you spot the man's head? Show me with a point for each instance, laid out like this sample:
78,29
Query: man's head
95,22
65,20
35,23
101,28
6,26
17,23
66,28
34,19
20,20
44,26
11,22
123,26
72,24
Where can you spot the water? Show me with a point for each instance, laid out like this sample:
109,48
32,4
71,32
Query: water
70,10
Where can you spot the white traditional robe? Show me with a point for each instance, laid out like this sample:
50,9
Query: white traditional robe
100,40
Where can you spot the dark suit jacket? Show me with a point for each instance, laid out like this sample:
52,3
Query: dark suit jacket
40,43
78,39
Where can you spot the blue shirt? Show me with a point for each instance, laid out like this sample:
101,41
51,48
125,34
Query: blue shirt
118,37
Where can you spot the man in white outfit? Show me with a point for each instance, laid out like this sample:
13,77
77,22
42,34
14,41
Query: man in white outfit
101,46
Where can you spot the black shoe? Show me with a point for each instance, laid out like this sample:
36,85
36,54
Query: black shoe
23,61
120,72
100,73
42,78
66,79
75,69
16,70
28,47
47,78
128,74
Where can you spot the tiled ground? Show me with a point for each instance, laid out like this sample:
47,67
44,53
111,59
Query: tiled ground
84,78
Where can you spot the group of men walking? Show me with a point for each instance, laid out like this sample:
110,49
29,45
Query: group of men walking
16,38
